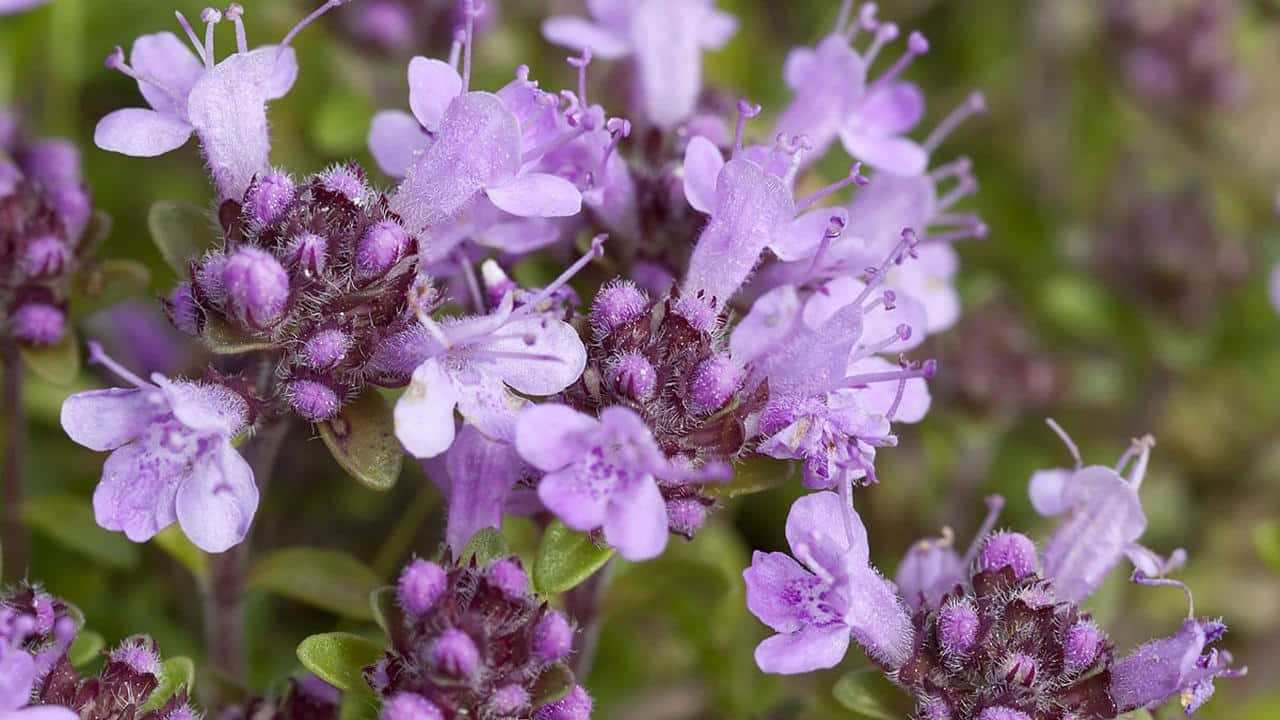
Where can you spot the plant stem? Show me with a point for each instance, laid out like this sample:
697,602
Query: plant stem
14,535
224,594
583,604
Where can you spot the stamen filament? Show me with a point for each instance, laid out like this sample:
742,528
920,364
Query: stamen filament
315,15
595,251
854,177
211,18
885,34
1066,440
975,103
926,370
916,46
99,356
746,111
469,40
455,50
235,13
192,37
1141,578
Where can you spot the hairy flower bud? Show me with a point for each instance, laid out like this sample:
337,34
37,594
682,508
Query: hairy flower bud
455,654
1081,647
313,400
552,637
420,586
268,197
382,246
1002,713
257,287
181,309
574,706
344,181
617,304
634,377
686,516
508,578
324,349
309,254
714,381
1008,549
44,257
52,162
957,627
38,323
73,206
509,700
410,706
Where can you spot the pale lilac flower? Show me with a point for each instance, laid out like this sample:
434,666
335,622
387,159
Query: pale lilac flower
18,675
1180,665
11,7
222,102
1273,287
480,477
600,473
468,363
832,594
171,457
478,144
750,201
666,39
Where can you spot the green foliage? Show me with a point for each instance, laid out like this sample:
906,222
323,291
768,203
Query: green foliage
86,648
339,659
68,520
485,546
327,579
178,673
1266,539
363,441
553,685
58,363
566,558
860,693
182,232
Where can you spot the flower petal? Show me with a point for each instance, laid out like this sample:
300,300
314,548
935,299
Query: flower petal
205,407
106,419
217,502
668,58
482,472
892,109
1105,517
570,497
769,322
562,355
140,133
395,138
138,486
553,436
432,86
878,620
537,195
44,712
716,29
817,521
17,675
169,61
635,521
1048,490
768,580
424,414
896,155
576,33
805,651
702,165
801,238
229,112
930,569
279,70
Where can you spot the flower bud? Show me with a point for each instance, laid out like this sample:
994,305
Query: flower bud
700,314
10,176
268,197
616,305
1002,713
257,287
181,309
635,377
509,579
552,638
72,205
714,381
382,246
324,349
343,181
509,700
574,706
455,654
685,516
420,586
410,706
313,400
1081,646
1019,668
309,254
957,628
1008,549
38,323
52,162
208,278
139,654
45,257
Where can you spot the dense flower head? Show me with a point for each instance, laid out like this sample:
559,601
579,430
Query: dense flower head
323,276
130,675
479,650
45,233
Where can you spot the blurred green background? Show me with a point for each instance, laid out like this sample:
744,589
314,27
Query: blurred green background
1122,290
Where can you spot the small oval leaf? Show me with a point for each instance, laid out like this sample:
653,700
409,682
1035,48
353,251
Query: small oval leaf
182,232
222,339
485,546
178,673
565,559
327,579
552,685
856,692
109,282
386,611
87,646
58,363
363,441
340,659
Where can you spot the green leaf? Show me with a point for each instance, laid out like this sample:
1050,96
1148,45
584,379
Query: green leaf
182,232
363,441
485,546
58,363
1266,540
752,476
357,706
340,659
856,692
178,673
223,339
553,684
327,579
174,542
565,559
109,282
87,646
386,611
95,233
69,521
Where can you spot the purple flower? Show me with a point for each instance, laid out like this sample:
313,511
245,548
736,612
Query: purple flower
1181,664
171,457
480,477
11,7
816,606
666,37
35,630
475,144
223,103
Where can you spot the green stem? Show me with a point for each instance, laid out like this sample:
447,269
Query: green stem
14,534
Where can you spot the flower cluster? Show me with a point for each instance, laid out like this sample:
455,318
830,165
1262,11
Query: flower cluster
473,641
45,235
995,634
